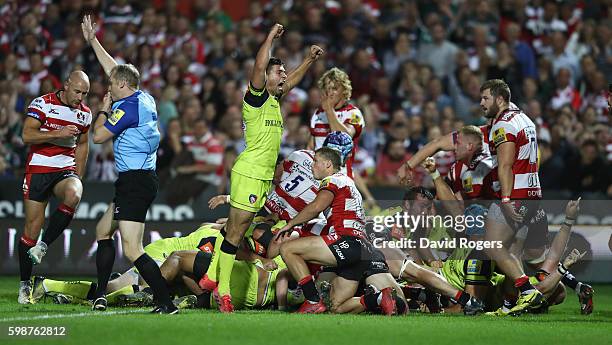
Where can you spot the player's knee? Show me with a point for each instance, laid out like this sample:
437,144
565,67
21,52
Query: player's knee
72,196
286,250
132,252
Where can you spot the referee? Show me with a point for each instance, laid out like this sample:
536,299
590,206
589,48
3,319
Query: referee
128,116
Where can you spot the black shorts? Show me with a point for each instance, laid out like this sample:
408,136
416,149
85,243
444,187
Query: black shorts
39,187
534,218
135,191
353,256
201,263
377,265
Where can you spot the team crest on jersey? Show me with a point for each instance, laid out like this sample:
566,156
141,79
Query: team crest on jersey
252,198
467,185
499,136
473,266
208,247
116,116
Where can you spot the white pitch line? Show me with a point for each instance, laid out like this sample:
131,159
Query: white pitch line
61,316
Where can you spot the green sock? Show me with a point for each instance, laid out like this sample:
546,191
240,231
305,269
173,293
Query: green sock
213,268
227,256
77,288
126,290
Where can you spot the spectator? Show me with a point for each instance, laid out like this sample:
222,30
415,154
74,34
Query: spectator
522,52
198,166
565,92
591,173
169,148
439,54
392,157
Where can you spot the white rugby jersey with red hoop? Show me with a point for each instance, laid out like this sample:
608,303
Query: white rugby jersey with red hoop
348,115
514,126
297,187
345,216
473,180
57,155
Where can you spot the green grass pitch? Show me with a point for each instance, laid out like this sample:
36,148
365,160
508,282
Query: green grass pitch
563,325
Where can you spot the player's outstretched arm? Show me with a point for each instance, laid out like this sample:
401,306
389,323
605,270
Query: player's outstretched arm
89,32
559,243
258,76
444,143
295,76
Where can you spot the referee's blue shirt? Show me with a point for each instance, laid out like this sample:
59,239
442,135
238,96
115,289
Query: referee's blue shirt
133,121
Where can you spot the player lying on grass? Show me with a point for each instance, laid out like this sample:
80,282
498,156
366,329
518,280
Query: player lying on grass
204,238
452,196
254,282
548,279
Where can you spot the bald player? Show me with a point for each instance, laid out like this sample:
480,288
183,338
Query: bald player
56,128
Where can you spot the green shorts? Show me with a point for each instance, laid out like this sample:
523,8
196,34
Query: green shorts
247,193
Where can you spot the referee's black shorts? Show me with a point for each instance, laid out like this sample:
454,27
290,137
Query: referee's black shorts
135,191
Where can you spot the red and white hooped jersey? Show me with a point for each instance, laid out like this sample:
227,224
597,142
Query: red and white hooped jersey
515,126
473,180
58,154
345,216
348,115
297,187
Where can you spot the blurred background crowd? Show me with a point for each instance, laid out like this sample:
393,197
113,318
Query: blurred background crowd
416,67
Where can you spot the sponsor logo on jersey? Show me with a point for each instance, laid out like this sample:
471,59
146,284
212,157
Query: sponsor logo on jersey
274,123
467,185
473,266
116,116
499,136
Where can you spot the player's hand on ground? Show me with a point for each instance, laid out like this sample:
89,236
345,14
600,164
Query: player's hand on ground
429,164
510,211
68,131
573,257
269,264
315,52
89,28
572,209
276,31
217,201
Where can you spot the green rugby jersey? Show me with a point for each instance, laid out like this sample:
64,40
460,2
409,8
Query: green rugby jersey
263,124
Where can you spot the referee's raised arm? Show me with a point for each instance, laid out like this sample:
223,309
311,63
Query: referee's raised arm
129,115
89,32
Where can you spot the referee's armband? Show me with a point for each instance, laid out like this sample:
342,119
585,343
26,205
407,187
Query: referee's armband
256,97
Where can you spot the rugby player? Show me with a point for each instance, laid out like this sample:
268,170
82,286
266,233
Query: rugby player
514,148
254,169
343,243
56,128
337,114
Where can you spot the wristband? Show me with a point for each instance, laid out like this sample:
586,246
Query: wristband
562,269
505,199
434,175
569,221
227,199
103,112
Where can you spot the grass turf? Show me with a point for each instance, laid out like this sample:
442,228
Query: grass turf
563,324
